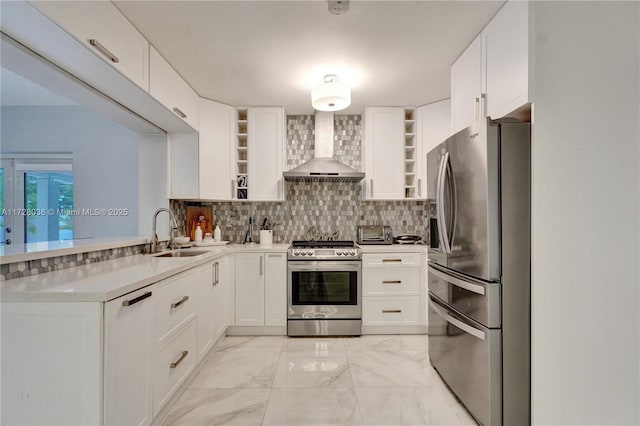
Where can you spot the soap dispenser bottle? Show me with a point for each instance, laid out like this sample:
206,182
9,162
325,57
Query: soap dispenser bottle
217,233
198,238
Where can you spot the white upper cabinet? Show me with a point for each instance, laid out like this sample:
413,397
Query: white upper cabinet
433,127
215,155
265,153
168,87
101,26
382,153
507,59
467,87
491,78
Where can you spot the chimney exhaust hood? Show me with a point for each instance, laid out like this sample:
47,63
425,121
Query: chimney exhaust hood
323,167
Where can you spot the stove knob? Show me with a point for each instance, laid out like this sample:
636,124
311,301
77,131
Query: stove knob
339,252
310,253
296,252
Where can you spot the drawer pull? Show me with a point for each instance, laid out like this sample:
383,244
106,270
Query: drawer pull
392,311
392,282
180,302
179,360
136,299
100,48
392,260
179,112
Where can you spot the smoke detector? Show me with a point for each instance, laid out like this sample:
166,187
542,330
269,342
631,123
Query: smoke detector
338,7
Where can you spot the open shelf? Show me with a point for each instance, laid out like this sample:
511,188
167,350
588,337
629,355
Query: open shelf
409,153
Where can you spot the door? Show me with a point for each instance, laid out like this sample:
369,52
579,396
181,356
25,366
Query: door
250,289
464,182
468,357
6,202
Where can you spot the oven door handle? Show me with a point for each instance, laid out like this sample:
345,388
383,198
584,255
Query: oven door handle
325,266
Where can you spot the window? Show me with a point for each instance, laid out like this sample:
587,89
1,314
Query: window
39,205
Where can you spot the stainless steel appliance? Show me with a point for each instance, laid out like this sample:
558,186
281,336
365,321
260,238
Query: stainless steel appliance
324,288
372,234
479,269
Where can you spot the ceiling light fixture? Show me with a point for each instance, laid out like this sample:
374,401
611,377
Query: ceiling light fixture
331,95
338,7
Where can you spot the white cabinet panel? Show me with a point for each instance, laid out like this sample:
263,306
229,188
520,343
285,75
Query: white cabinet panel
249,289
398,310
433,127
115,40
507,59
467,87
266,135
168,87
275,298
390,281
129,355
221,297
174,362
174,303
391,259
215,155
383,156
204,282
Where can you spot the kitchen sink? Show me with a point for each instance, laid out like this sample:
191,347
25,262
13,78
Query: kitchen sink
182,253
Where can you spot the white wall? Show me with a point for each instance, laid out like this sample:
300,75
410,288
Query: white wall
586,227
152,184
105,160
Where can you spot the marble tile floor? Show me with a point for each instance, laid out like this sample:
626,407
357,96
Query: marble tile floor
276,380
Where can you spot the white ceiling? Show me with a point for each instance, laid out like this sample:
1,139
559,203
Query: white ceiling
393,53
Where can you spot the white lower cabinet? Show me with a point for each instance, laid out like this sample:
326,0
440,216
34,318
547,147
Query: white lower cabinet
261,289
392,285
129,346
114,363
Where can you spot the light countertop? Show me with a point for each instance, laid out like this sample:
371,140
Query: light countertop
103,281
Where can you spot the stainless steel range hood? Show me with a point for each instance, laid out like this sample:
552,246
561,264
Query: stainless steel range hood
323,167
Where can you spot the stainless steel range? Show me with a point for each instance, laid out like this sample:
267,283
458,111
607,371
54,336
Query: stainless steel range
324,289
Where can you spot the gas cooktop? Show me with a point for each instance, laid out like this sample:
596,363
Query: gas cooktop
323,250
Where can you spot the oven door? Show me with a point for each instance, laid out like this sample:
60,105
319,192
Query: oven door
324,290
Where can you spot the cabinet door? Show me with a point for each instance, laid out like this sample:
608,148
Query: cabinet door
129,358
433,127
466,87
275,297
204,290
249,289
168,87
115,39
215,156
220,292
265,153
507,59
383,153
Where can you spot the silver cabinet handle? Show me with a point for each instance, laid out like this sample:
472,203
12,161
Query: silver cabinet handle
260,265
392,311
371,187
213,274
179,360
476,107
419,188
100,48
392,282
233,189
217,273
179,112
136,299
179,302
391,260
482,106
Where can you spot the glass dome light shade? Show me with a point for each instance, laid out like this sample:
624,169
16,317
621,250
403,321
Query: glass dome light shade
331,96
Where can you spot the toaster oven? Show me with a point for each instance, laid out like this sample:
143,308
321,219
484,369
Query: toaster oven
374,235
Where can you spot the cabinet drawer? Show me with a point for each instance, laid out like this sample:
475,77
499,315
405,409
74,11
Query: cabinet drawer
390,281
174,362
390,259
400,310
174,303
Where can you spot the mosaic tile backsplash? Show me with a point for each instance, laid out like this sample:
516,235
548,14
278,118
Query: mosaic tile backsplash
40,266
326,206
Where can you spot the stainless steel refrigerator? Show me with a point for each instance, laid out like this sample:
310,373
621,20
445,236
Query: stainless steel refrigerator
479,191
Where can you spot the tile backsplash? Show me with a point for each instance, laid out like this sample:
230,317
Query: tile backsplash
326,206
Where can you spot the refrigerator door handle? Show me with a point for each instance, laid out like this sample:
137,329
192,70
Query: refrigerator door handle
457,282
442,225
450,319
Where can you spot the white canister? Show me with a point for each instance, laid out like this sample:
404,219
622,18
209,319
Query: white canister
266,237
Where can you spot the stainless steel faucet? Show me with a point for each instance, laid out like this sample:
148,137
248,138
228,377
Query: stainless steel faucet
173,227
